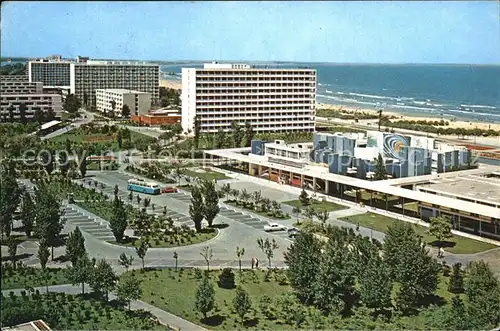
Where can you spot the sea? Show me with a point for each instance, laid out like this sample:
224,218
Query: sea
462,92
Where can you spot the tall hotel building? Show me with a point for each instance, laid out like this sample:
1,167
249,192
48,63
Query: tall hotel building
271,100
83,77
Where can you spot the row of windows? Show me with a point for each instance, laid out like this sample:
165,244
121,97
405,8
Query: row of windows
254,72
248,88
256,97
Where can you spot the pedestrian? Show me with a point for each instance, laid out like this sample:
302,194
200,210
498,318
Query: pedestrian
357,227
441,252
256,263
253,261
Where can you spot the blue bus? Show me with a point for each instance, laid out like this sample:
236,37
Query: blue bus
142,186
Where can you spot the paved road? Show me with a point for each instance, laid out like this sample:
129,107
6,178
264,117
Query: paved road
76,124
163,316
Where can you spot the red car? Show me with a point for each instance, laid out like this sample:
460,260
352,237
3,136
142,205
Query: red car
169,190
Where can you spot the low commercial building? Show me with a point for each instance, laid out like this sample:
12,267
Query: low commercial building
158,117
469,198
113,100
20,87
270,99
46,103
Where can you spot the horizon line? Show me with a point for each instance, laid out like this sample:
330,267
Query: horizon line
273,61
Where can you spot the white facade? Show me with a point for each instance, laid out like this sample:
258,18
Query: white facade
33,102
138,102
83,77
271,100
293,152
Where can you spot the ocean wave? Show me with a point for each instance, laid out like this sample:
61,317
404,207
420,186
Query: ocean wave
372,96
328,91
472,113
479,106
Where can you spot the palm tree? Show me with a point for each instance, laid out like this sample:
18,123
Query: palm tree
379,118
257,197
235,194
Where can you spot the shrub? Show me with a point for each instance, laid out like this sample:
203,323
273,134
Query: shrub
266,306
198,274
226,278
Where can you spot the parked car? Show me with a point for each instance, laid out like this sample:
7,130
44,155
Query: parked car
292,232
274,227
169,189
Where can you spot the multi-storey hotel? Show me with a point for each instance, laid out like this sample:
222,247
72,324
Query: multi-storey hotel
47,103
83,76
20,87
271,100
138,102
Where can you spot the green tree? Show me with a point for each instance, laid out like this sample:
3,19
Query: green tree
72,104
48,161
268,247
456,282
11,110
440,228
125,111
103,279
10,195
113,106
302,258
27,215
239,254
335,280
210,201
241,303
483,295
289,310
456,316
249,134
63,163
197,130
12,248
220,139
128,289
237,134
375,284
81,272
196,210
22,113
409,264
43,255
75,246
297,211
82,161
49,220
322,216
142,249
118,221
119,139
125,261
205,297
304,198
380,171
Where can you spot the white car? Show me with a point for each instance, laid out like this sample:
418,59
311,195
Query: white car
274,227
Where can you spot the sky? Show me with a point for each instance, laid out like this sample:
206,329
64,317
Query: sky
329,31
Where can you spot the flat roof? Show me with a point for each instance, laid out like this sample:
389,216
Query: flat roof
471,187
377,186
49,124
121,90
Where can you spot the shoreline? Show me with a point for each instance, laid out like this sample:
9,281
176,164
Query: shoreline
453,122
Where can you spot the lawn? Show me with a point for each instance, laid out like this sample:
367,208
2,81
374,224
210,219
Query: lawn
316,205
458,244
205,175
31,277
175,292
110,139
184,240
63,311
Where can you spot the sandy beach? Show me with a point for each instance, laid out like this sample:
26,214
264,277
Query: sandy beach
457,123
169,83
453,124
